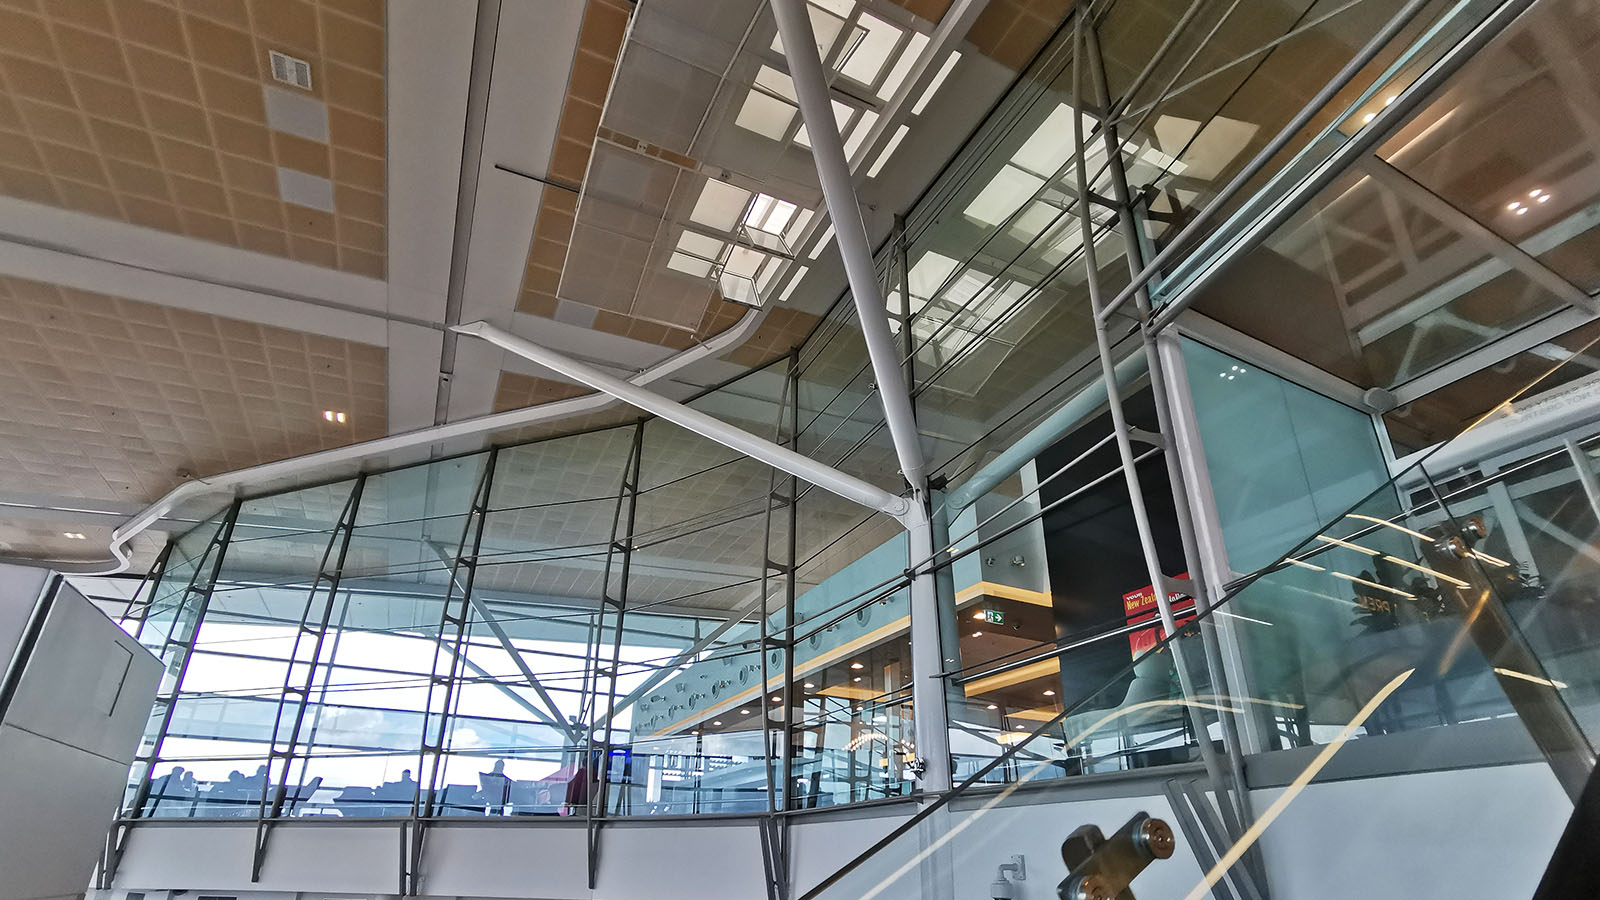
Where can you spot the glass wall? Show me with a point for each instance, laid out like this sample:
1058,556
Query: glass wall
636,621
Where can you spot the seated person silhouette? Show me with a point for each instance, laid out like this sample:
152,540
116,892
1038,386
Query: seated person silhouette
495,788
395,797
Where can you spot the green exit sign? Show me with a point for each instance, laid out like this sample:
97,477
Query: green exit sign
994,617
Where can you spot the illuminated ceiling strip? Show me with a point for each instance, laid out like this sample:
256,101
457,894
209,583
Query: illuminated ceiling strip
1513,673
1388,524
1003,592
1491,560
1246,618
937,82
1016,676
1347,545
1427,571
1373,584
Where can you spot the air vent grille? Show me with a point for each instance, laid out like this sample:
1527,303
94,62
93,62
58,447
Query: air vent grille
290,71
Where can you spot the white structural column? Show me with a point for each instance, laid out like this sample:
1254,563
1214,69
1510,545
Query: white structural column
833,173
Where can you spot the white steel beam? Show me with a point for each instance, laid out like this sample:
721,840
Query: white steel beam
782,458
833,171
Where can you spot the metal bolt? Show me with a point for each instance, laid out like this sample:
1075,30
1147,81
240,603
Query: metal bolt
1091,887
1454,546
1154,837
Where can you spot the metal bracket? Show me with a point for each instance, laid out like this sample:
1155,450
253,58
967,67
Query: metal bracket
1005,888
1101,868
1154,439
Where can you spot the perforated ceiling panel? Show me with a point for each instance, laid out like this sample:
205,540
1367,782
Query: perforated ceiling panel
112,398
155,115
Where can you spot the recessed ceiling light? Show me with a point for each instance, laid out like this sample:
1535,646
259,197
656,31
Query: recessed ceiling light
977,634
857,678
992,706
1523,211
978,615
1535,192
336,416
856,665
744,712
776,699
1367,119
1514,205
1049,693
718,722
1543,197
809,685
74,535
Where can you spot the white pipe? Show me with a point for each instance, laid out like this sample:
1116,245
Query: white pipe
782,458
833,171
227,484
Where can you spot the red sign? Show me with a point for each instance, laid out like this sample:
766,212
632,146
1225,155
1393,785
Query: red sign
1140,607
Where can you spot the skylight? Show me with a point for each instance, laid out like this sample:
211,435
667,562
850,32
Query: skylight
765,115
902,66
776,82
770,214
871,54
822,242
825,24
1003,195
720,205
841,116
794,282
859,132
696,255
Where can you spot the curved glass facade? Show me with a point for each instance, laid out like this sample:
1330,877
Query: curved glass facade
637,621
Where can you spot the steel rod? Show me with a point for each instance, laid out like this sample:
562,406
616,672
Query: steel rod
1340,80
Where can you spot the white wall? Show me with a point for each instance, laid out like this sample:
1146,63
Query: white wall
1480,832
1483,832
68,734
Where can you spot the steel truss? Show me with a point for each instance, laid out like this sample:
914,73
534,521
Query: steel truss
176,650
312,632
596,765
455,615
783,498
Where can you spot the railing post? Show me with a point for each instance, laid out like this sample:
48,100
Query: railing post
205,572
1208,583
454,624
598,772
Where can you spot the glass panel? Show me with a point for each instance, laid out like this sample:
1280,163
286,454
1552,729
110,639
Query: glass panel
1448,411
1519,154
1400,289
1282,459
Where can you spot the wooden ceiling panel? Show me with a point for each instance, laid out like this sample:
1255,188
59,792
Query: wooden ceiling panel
153,113
109,398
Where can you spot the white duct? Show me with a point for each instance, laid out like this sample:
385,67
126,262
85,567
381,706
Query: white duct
354,456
